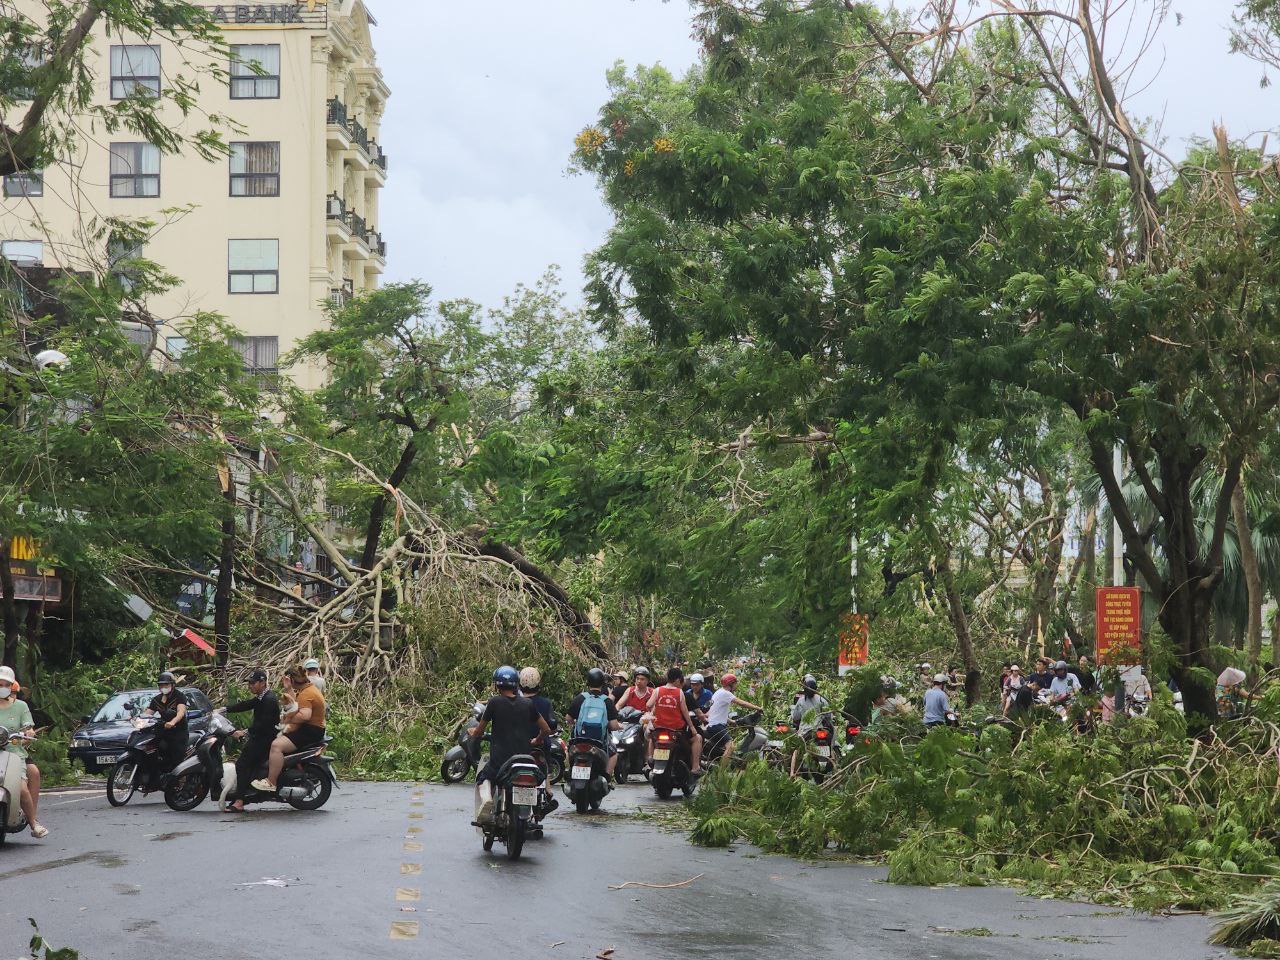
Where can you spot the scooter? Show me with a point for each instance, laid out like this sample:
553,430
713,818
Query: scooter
816,748
515,799
671,764
753,742
628,741
306,781
588,783
142,769
199,775
463,758
12,770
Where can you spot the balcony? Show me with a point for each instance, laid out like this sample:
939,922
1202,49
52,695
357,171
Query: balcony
378,157
343,295
338,131
376,244
337,226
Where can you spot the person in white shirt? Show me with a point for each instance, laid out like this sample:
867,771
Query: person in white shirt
722,701
312,667
1064,686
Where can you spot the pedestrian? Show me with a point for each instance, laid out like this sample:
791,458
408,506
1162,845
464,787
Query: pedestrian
936,704
259,734
1027,696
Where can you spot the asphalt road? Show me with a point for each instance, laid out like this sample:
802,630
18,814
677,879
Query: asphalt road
395,870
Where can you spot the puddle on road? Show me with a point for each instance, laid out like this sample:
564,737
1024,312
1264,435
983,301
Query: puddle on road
100,857
161,837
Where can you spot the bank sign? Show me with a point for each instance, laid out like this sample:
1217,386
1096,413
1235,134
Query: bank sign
251,16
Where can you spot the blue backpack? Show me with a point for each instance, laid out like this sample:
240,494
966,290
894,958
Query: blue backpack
593,718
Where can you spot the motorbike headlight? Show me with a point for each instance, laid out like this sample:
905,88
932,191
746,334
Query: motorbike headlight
79,742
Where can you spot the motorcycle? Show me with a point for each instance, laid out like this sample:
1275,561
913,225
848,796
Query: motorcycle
629,743
306,781
588,782
463,758
753,742
199,775
142,769
672,761
817,746
555,755
12,770
515,801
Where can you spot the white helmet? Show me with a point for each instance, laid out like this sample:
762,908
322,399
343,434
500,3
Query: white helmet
530,678
941,678
6,675
697,678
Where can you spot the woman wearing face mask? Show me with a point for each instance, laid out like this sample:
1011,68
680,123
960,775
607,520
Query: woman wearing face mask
171,707
15,716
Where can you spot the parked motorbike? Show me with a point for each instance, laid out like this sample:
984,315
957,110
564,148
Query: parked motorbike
672,762
306,781
588,782
12,770
629,742
199,775
142,769
515,799
463,758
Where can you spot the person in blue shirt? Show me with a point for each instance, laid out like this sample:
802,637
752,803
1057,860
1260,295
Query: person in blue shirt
531,687
936,704
698,697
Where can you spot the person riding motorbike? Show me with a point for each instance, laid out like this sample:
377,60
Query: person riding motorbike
517,728
312,667
640,694
15,716
722,701
1064,685
303,728
531,688
699,698
808,707
260,734
596,687
170,705
619,686
671,712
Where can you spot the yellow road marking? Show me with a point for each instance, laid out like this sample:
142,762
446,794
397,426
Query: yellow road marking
412,847
417,803
414,830
415,816
410,869
408,894
404,930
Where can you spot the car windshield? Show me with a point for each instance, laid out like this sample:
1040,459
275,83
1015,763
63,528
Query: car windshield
117,708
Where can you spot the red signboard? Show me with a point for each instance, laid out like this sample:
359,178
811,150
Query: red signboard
1118,620
855,631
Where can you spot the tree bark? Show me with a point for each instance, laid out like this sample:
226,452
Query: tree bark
222,590
1088,580
1252,575
960,623
8,606
378,509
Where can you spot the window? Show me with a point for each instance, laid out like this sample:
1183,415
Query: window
255,169
134,68
24,60
175,347
255,71
260,355
28,184
253,266
123,262
26,253
135,170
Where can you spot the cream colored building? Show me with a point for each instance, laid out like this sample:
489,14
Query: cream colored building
265,237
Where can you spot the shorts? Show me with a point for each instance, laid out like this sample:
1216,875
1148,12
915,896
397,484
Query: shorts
305,736
715,734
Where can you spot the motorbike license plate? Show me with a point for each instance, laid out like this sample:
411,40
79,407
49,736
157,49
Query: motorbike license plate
824,751
662,754
581,773
524,796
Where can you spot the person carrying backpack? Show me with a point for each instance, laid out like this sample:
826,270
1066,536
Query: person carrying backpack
594,714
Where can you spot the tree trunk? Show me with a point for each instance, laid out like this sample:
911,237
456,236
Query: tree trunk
378,509
226,573
8,606
960,623
1252,575
1088,580
1275,639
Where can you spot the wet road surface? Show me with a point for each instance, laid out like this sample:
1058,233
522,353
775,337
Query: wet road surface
395,870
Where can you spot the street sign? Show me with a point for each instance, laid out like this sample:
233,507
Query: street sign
1118,621
855,636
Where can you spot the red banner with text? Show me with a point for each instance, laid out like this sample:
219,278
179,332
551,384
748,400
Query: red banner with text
855,635
1118,621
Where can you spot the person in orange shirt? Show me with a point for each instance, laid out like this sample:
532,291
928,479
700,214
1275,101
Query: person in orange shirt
303,728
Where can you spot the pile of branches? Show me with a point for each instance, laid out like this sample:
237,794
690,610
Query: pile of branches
1136,813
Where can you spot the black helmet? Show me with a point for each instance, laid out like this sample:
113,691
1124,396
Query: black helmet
642,671
810,682
506,678
166,677
596,677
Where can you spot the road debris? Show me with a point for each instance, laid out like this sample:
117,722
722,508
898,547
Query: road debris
655,886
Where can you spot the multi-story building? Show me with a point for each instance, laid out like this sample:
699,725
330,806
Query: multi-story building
265,237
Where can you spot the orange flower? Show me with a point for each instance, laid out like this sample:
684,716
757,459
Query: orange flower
629,167
589,141
664,145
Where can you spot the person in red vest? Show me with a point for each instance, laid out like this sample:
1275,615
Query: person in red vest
671,712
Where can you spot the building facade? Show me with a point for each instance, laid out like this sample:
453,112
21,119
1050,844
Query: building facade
265,237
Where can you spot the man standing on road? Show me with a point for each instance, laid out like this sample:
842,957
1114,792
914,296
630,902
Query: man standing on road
936,704
517,728
262,730
722,701
15,716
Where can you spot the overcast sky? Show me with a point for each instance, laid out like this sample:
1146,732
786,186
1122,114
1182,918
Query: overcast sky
487,97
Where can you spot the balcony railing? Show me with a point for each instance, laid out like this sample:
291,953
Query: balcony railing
359,134
355,223
335,208
378,155
341,296
374,239
337,112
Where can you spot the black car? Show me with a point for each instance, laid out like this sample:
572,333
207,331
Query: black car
103,738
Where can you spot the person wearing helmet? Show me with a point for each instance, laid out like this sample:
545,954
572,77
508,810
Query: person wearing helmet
809,706
303,727
639,695
517,729
722,701
698,698
597,686
936,703
170,705
1064,685
618,687
531,689
15,716
312,667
